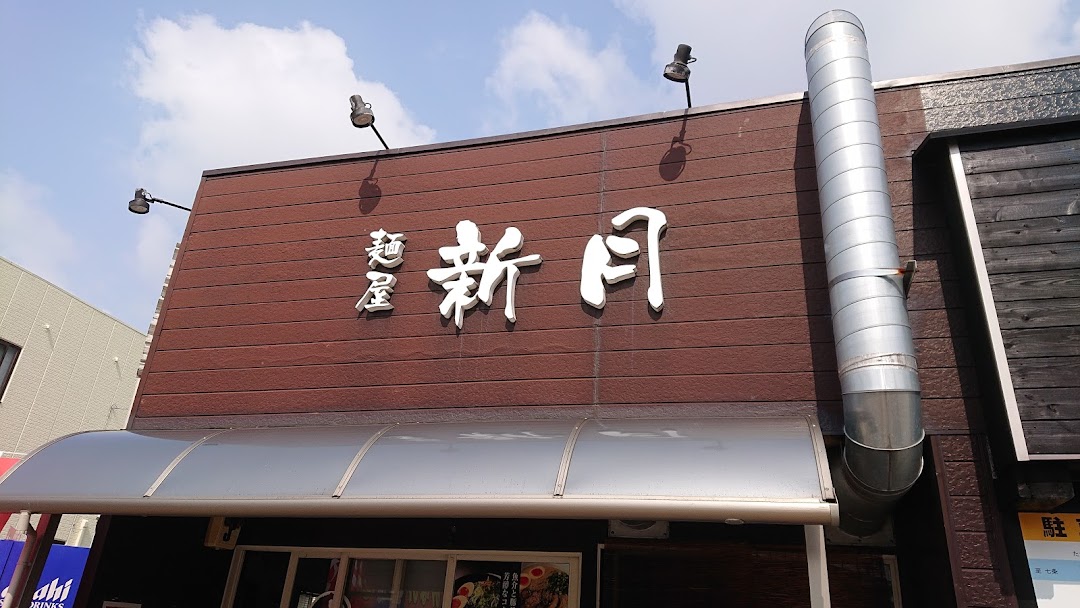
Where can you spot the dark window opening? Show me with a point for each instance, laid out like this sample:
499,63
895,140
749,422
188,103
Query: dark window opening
8,354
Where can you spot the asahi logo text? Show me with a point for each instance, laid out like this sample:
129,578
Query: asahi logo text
51,595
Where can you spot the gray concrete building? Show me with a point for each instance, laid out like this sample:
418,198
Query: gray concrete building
65,367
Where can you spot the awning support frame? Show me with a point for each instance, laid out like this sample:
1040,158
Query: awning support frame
31,560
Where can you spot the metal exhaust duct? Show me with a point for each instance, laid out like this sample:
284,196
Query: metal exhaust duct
875,355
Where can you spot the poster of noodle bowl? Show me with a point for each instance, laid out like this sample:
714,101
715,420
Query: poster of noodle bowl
485,584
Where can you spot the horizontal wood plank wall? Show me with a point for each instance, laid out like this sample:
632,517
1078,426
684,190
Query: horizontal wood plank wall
1026,197
260,322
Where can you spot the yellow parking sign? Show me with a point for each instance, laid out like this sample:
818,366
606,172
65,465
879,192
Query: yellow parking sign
1051,526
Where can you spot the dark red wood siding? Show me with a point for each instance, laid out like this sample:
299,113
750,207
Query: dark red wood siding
259,319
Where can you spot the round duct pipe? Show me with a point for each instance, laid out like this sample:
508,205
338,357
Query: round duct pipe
875,354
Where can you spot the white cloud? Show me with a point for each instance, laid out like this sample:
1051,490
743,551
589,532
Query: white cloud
554,70
29,235
223,97
154,249
251,94
751,50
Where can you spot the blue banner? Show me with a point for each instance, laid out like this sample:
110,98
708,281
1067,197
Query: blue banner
59,580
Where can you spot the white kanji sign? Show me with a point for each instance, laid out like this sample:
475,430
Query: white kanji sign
465,262
377,296
596,267
388,250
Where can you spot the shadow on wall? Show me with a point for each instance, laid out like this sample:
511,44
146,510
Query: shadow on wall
936,296
815,283
674,160
370,193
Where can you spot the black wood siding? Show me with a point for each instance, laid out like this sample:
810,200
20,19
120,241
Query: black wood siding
1025,193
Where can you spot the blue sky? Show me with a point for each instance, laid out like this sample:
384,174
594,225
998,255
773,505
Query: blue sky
100,98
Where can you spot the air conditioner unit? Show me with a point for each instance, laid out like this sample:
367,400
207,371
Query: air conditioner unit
222,532
638,528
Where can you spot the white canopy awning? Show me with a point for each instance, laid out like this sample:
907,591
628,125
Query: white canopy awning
770,470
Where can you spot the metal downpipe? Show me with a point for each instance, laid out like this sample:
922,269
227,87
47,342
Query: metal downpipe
875,354
19,578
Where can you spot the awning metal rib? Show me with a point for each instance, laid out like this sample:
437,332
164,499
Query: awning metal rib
356,460
770,470
172,465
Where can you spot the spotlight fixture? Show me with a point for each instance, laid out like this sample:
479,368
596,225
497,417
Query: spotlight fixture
141,203
363,117
677,70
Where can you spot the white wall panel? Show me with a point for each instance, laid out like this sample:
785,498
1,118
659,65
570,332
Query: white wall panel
22,307
26,379
18,320
76,367
84,377
9,280
49,403
128,384
108,376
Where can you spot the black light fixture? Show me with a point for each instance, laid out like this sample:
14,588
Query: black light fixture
362,116
677,70
141,203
